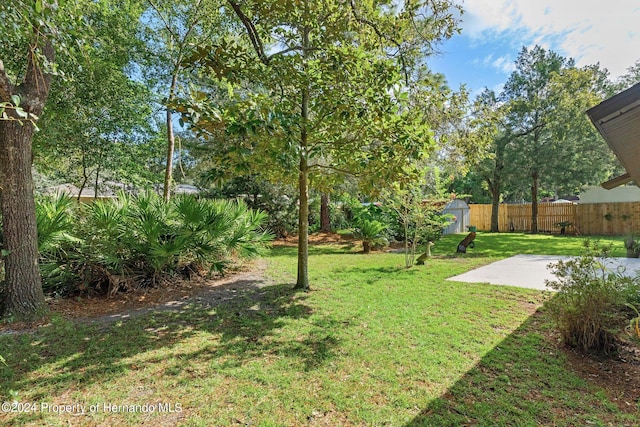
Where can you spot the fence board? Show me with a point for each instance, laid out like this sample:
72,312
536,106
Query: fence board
480,217
613,219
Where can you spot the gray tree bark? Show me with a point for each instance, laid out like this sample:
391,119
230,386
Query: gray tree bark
24,298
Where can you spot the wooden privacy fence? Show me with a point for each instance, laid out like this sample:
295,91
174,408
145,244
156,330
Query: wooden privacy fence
586,218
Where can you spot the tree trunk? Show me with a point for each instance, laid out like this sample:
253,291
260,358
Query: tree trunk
168,172
495,207
303,184
85,175
96,183
303,226
24,298
534,202
325,218
406,241
495,185
171,139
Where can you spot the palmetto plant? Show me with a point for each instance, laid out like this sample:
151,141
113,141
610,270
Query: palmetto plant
146,236
139,239
55,222
57,239
212,231
371,233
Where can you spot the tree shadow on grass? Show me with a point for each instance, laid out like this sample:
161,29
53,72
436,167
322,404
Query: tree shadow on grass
315,249
239,323
377,270
526,380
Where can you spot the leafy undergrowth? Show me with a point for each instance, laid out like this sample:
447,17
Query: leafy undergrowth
371,344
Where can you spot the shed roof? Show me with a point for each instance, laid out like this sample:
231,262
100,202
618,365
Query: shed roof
456,204
618,121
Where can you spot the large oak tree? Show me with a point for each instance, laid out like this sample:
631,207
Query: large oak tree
25,80
41,38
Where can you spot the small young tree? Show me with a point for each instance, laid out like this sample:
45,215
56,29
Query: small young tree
406,203
420,218
171,30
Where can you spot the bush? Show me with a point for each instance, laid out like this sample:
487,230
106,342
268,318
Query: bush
278,201
371,232
341,216
136,240
146,237
590,308
56,220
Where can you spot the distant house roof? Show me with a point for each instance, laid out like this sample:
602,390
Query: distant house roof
624,193
618,121
187,189
74,191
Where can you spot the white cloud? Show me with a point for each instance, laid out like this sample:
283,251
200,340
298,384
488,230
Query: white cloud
589,31
504,64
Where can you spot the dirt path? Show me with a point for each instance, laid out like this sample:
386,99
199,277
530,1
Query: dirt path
172,297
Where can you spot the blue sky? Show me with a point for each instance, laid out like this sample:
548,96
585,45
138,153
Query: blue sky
494,32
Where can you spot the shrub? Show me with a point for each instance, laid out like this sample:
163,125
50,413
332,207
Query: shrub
371,232
590,306
136,240
632,246
56,220
144,236
341,216
277,200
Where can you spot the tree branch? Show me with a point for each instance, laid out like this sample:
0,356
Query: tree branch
382,36
529,131
370,24
252,32
6,88
37,80
292,49
162,18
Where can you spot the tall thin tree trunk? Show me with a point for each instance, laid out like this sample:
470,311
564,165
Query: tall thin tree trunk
303,184
534,202
303,226
97,183
171,138
24,298
325,217
495,206
85,175
168,172
495,184
406,243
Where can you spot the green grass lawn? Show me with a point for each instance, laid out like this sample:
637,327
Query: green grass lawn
508,244
371,344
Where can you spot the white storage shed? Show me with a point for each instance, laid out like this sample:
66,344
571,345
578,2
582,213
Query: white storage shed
460,210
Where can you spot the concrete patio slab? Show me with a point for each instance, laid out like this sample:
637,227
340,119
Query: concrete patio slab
531,271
